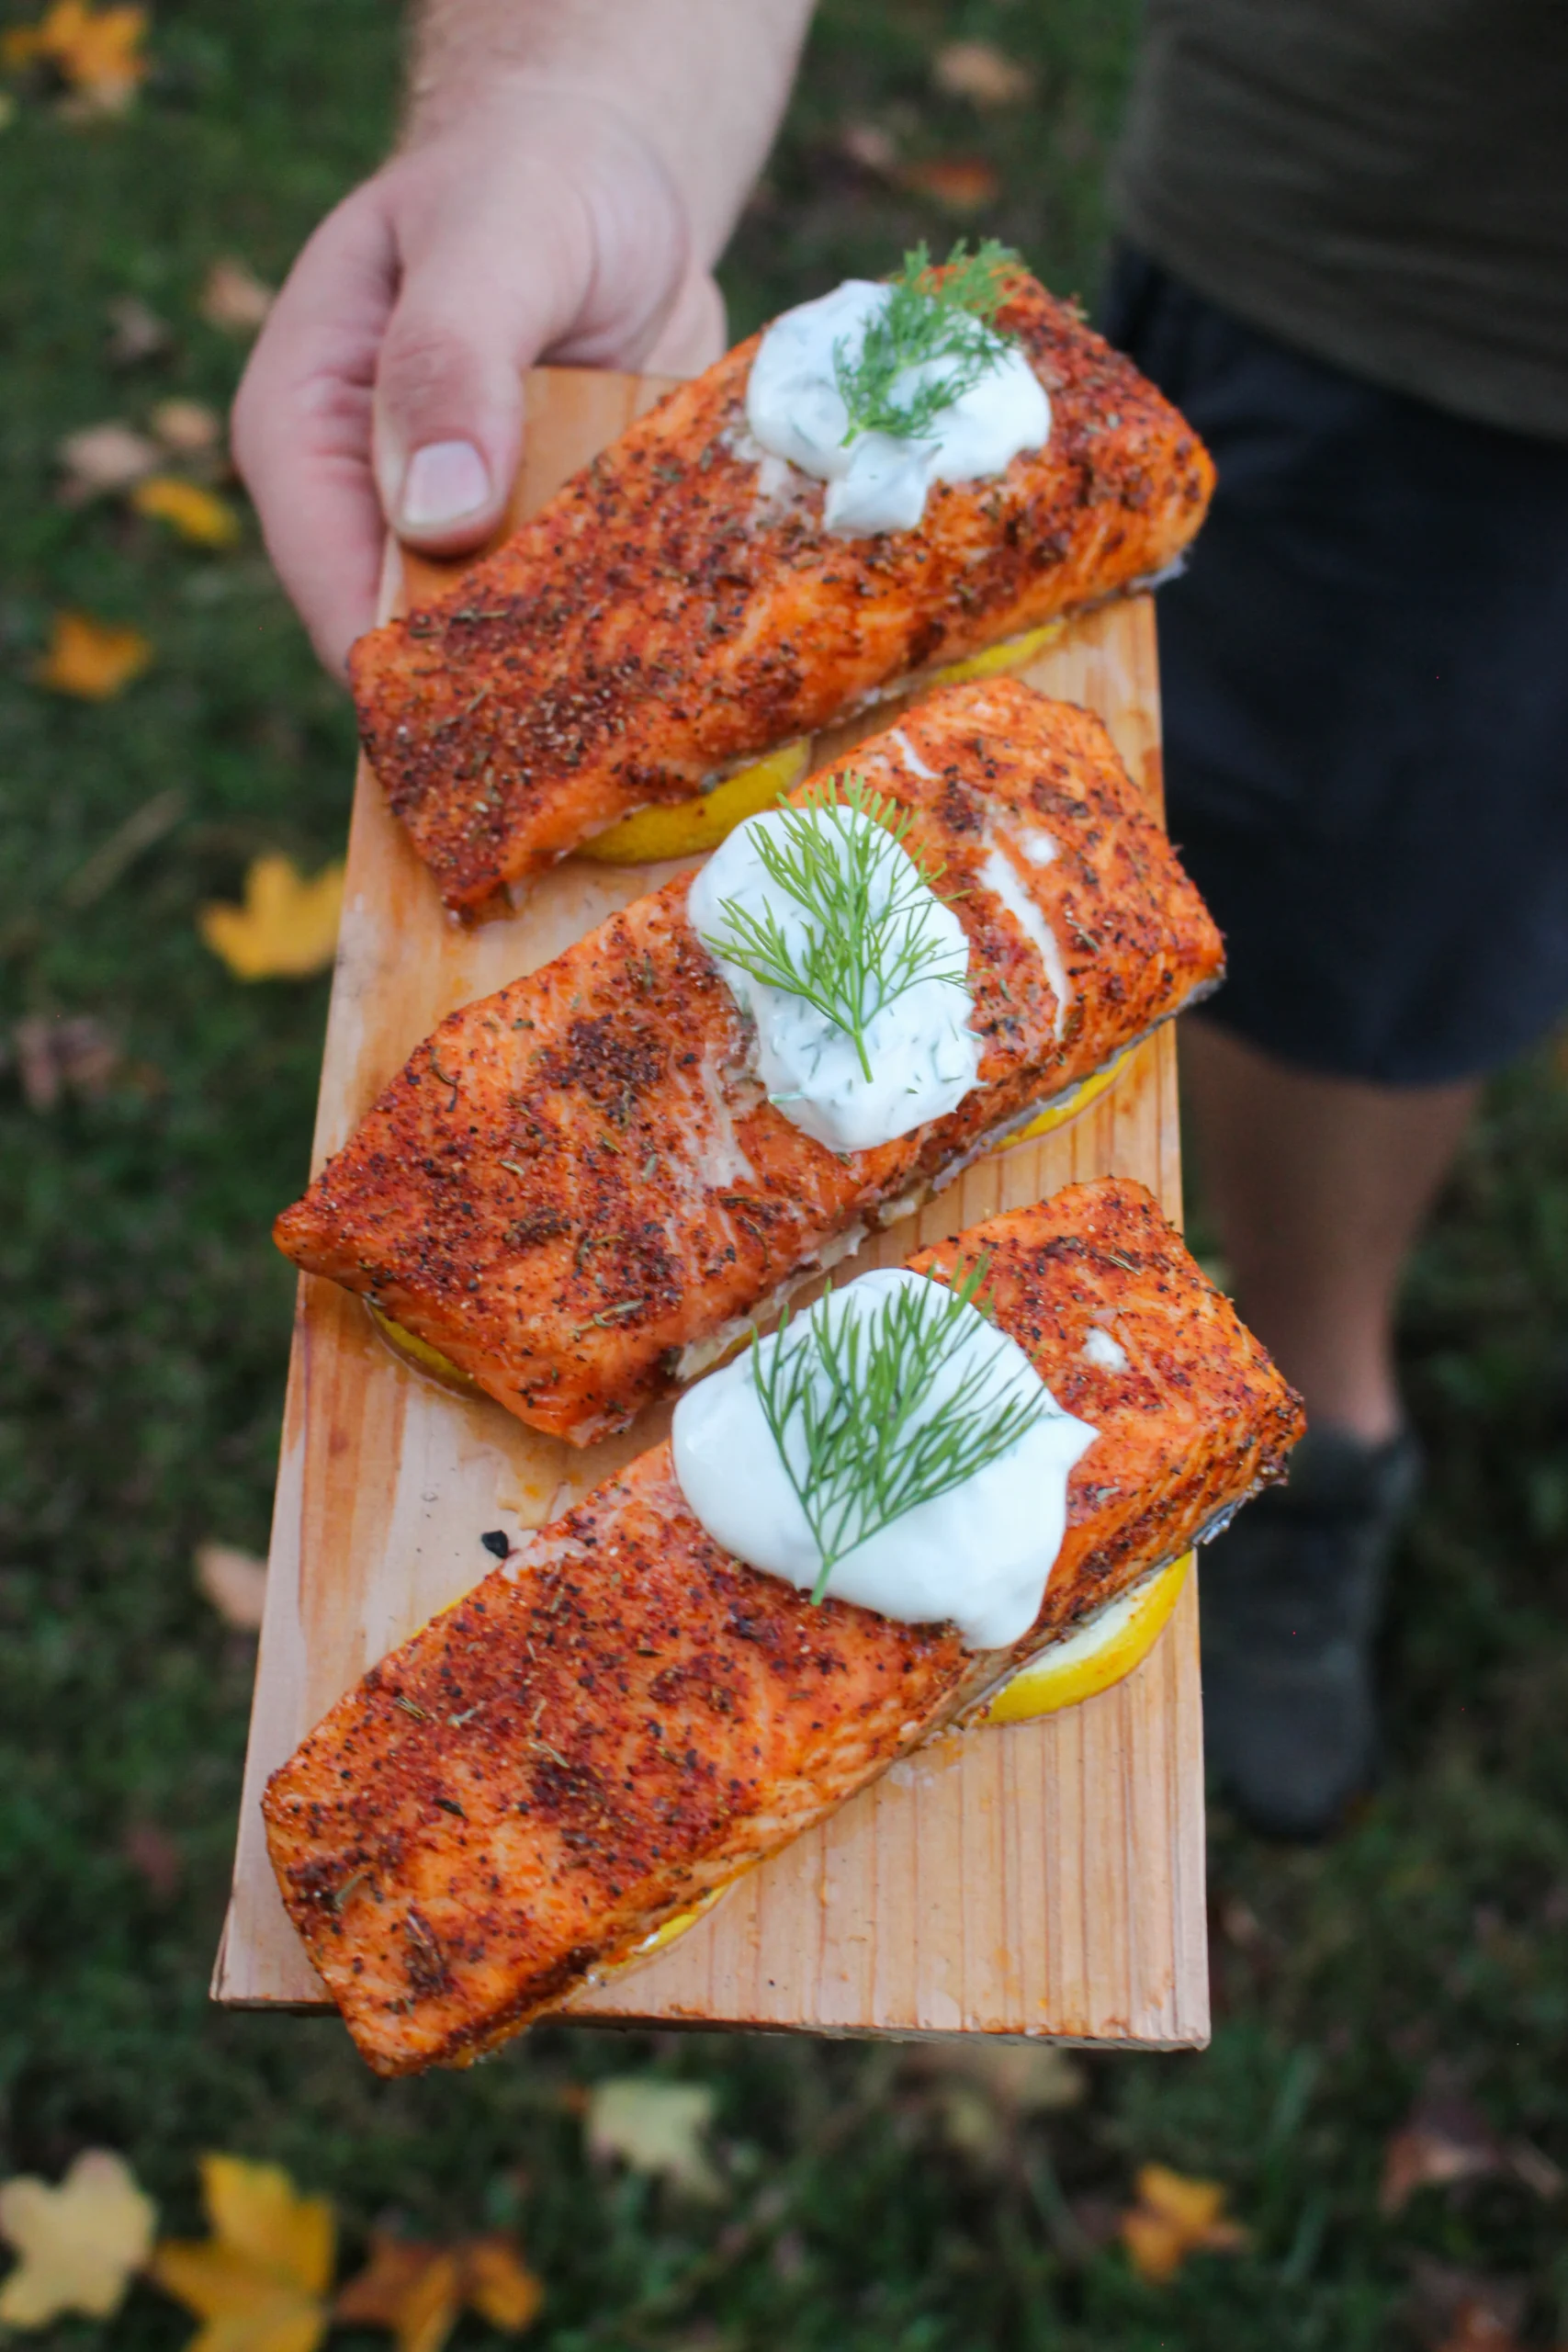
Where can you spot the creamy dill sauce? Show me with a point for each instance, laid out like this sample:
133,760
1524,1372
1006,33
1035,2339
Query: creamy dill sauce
979,1556
880,481
924,1056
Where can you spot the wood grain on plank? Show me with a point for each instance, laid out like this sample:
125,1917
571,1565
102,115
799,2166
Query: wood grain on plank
1044,1879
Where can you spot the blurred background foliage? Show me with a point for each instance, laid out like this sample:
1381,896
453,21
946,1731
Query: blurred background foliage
871,2199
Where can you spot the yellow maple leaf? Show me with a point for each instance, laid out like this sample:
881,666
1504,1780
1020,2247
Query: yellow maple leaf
655,2127
99,52
259,2281
287,926
196,514
92,660
1175,2216
79,2243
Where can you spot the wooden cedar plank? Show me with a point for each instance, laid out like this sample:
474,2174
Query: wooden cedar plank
1044,1879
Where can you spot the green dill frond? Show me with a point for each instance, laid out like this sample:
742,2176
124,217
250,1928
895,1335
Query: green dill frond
945,315
844,1407
869,932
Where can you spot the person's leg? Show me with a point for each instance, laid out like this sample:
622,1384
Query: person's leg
1318,1187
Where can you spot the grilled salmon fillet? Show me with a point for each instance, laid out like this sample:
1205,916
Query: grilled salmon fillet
577,1189
622,1717
679,607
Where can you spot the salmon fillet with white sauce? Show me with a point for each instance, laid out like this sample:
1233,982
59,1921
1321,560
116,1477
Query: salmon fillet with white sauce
678,607
577,1190
623,1717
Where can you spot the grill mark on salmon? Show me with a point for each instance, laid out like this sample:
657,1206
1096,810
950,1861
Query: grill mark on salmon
578,1179
659,620
622,1717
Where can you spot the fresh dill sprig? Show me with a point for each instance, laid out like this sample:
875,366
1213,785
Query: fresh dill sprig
946,315
844,1408
869,913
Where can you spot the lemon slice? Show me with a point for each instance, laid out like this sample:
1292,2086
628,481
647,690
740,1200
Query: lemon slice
1099,1654
1057,1114
687,828
421,1355
1011,654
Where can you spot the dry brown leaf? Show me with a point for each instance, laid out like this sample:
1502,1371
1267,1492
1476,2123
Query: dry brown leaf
197,514
93,661
80,2243
235,1583
419,2290
234,297
191,427
287,926
1175,2216
259,2281
961,183
869,146
1443,2140
104,457
655,2127
136,332
1477,2328
59,1056
983,74
98,52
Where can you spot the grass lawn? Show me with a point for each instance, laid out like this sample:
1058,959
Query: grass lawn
145,1318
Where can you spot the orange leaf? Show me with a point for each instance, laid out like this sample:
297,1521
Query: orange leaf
417,2292
287,926
79,2243
196,514
982,73
92,660
498,2285
1175,2216
958,183
97,51
259,2281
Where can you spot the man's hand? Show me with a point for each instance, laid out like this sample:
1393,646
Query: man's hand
569,174
387,385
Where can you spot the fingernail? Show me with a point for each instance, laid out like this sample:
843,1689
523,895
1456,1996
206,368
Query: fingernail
445,482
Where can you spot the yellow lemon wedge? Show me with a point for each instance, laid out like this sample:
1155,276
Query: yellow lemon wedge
1057,1114
1011,654
678,1925
687,828
1099,1654
421,1355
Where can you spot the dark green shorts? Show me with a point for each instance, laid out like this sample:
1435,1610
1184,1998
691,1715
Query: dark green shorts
1365,675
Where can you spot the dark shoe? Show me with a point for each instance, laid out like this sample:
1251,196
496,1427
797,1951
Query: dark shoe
1289,1597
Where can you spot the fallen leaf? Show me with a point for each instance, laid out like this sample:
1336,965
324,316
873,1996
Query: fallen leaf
136,332
1175,2216
983,74
235,1583
656,2127
104,457
1478,2328
234,297
98,52
196,514
55,1055
287,926
419,2290
188,427
1443,2140
144,826
869,146
960,184
79,2243
92,660
259,2281
154,1857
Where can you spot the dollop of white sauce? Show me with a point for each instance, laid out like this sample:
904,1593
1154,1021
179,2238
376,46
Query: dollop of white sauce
1100,1349
979,1557
879,482
924,1056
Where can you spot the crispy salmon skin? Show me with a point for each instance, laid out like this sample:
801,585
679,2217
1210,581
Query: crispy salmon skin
577,1186
678,607
622,1717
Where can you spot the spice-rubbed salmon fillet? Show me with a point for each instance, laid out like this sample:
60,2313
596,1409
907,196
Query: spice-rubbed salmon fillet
679,606
622,1717
577,1186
